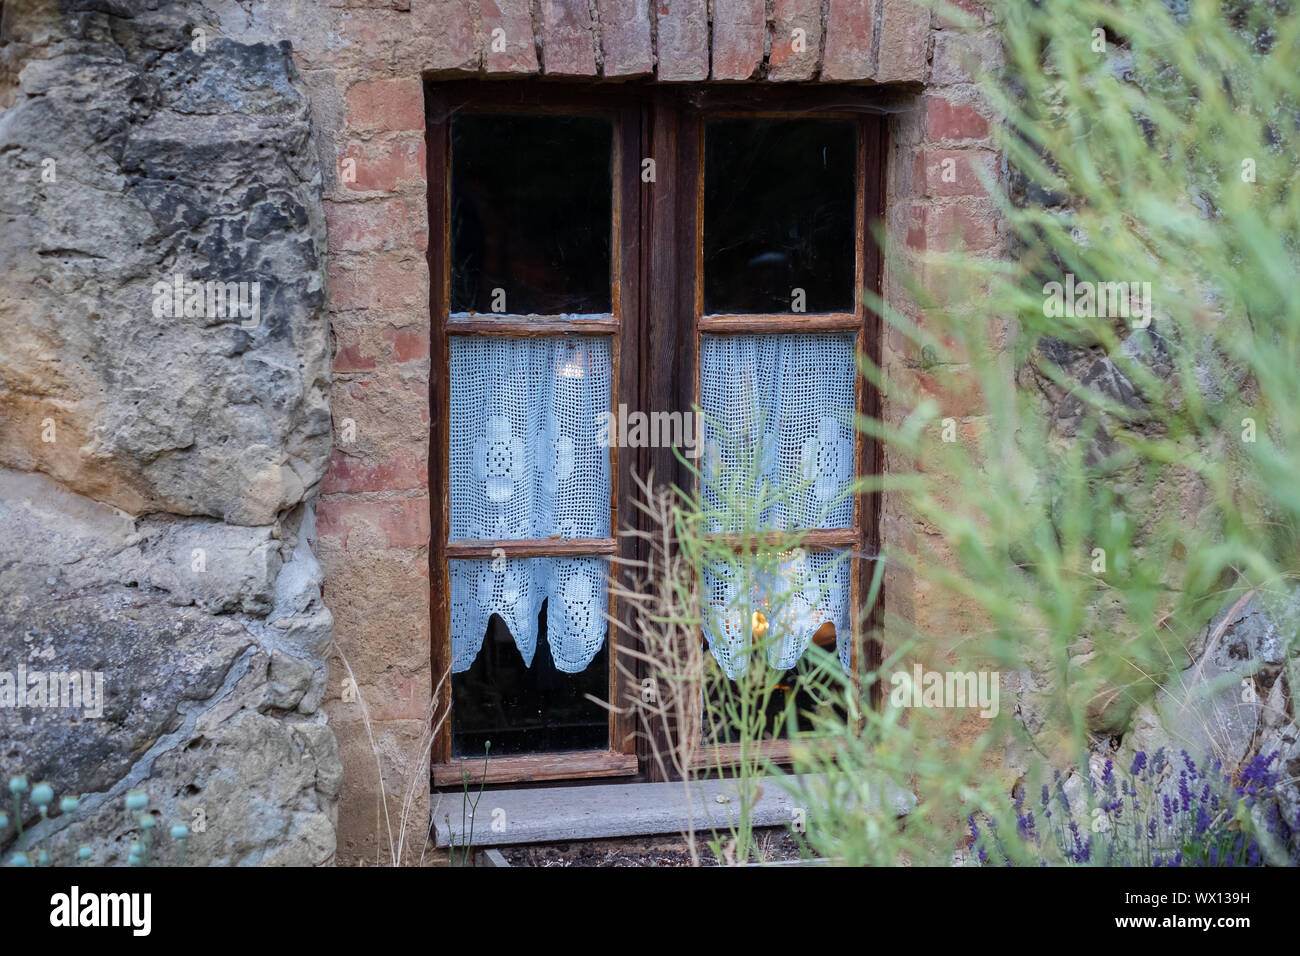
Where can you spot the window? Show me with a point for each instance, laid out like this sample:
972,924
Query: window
570,277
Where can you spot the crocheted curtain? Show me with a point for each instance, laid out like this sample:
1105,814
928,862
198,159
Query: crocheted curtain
778,442
526,461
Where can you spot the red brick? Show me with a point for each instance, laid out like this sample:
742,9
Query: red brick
567,44
625,37
940,228
738,28
343,39
399,523
365,344
377,283
399,696
904,35
376,225
955,388
946,120
515,19
408,344
349,358
849,26
437,37
932,170
386,105
783,63
348,474
384,165
683,39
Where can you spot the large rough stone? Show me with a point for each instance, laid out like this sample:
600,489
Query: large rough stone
156,471
1229,701
82,590
127,160
255,786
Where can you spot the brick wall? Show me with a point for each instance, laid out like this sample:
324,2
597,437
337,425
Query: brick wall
364,61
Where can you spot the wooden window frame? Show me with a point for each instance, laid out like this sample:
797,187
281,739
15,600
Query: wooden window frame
657,244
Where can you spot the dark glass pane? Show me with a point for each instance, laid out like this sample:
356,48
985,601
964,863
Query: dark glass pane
525,710
531,213
800,695
779,214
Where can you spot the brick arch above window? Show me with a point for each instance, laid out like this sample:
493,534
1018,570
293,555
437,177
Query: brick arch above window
881,41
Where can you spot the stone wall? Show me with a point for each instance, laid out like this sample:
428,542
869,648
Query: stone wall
157,469
358,164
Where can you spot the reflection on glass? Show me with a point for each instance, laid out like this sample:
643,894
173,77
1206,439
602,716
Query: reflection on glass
779,215
531,214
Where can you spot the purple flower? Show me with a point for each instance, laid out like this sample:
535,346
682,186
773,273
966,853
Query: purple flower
1202,821
1025,824
1139,762
1257,773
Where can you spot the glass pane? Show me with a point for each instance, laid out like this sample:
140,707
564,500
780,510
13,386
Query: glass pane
779,215
797,705
523,709
529,457
531,214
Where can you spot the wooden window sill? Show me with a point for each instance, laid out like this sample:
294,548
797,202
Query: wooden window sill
535,768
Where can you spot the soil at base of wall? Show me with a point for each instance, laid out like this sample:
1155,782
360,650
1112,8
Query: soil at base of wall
775,846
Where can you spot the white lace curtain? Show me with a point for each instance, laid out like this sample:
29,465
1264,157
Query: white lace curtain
515,589
526,462
796,593
778,453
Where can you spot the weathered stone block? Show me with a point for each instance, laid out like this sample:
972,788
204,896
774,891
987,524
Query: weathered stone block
794,55
738,29
904,39
849,31
567,38
506,28
683,39
625,37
